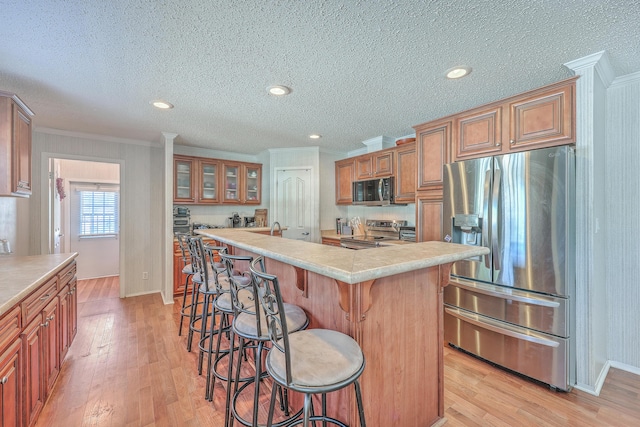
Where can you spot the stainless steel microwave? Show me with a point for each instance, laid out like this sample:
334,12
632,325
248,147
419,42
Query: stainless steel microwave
374,192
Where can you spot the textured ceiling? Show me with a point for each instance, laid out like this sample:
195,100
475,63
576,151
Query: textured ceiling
358,69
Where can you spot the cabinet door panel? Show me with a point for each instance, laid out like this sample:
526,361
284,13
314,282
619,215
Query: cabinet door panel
364,167
184,180
344,176
208,191
406,174
231,179
32,338
11,385
429,214
383,164
252,184
478,133
433,152
63,324
22,152
543,120
51,344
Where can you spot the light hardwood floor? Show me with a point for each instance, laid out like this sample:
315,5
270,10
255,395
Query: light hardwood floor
128,367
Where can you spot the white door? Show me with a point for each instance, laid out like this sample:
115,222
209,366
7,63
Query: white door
94,229
293,203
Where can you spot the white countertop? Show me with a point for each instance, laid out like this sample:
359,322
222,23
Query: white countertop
21,275
346,265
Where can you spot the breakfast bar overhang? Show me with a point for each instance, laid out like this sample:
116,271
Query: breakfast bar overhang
389,299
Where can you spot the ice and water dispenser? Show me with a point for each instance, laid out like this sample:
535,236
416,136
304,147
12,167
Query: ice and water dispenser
466,230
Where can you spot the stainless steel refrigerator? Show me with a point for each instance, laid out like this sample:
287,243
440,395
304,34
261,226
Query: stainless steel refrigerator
514,307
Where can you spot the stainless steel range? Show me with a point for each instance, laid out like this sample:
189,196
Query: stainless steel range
376,233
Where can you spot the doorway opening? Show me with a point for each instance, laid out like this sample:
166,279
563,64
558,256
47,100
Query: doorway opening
84,214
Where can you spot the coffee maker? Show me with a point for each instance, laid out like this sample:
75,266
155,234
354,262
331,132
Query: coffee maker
235,221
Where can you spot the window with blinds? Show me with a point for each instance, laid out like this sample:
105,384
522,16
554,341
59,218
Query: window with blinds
99,213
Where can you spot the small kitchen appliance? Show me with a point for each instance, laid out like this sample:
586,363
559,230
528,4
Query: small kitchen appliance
181,219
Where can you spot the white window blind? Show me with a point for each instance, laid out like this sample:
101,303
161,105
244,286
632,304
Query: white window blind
99,212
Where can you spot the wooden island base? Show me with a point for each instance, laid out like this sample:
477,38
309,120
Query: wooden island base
397,320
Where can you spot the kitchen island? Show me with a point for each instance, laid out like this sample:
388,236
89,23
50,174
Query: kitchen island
389,299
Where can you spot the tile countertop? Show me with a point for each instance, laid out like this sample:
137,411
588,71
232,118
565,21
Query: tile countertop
21,275
347,265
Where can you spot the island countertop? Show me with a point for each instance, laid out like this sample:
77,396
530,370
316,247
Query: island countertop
21,275
346,265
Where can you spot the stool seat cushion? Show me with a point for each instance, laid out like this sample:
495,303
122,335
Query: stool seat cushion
319,358
188,269
197,277
245,324
223,302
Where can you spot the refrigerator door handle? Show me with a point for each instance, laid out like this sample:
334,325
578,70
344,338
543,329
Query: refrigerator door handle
494,219
380,191
494,326
485,217
506,294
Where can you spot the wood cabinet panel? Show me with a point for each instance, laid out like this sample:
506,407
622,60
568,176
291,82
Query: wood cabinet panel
478,132
429,216
364,167
330,241
405,191
73,310
184,180
433,151
383,163
242,183
51,344
15,146
32,340
543,119
345,174
11,385
34,303
208,181
64,326
10,326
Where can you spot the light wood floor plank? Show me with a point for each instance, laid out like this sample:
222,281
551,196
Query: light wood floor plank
128,367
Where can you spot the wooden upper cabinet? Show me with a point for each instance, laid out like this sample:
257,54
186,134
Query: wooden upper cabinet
364,167
433,151
15,146
208,181
383,163
405,191
539,118
478,132
544,118
242,183
184,180
345,174
203,181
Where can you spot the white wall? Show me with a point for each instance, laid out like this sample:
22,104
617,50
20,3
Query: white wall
621,249
141,192
14,223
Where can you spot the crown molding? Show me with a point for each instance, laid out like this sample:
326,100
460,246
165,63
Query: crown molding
96,137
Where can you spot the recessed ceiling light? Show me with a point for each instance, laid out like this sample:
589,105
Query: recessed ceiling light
163,105
315,136
279,90
457,72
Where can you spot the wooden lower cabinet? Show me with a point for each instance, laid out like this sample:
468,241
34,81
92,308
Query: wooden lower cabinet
429,216
34,371
11,385
330,241
35,336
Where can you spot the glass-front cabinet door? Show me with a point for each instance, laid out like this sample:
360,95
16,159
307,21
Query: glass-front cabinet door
231,178
209,191
183,184
252,185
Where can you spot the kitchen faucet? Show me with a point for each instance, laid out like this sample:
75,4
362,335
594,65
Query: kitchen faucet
274,226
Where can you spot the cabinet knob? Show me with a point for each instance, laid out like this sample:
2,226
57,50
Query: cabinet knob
4,380
513,141
498,144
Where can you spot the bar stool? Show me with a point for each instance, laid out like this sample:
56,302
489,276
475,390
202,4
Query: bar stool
187,270
312,361
252,332
200,281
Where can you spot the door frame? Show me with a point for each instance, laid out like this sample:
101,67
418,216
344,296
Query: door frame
313,208
46,220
